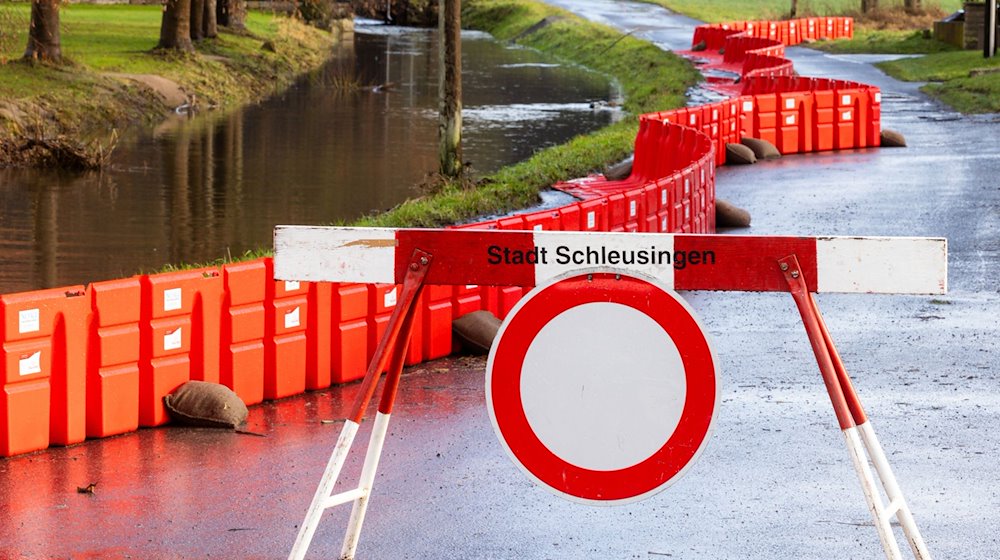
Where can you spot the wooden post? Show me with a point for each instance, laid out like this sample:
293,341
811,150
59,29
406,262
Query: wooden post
450,90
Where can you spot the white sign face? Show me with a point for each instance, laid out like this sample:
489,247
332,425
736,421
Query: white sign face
28,321
172,299
575,427
292,285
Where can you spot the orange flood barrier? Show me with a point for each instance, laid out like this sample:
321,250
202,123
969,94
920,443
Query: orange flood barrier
97,363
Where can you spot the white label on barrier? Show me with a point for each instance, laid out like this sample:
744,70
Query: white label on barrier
471,286
687,186
845,100
694,119
292,285
292,319
663,197
390,298
538,227
172,299
790,119
591,220
173,340
631,208
846,116
28,320
663,225
878,97
789,103
702,176
30,364
732,110
715,114
687,212
747,106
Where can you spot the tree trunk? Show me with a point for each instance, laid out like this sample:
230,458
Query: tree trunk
450,87
868,6
43,33
175,27
913,6
795,8
211,26
197,20
232,14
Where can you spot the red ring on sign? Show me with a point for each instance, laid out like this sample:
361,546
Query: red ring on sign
507,410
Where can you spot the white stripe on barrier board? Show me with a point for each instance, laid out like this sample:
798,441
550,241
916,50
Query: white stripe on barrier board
567,251
882,265
364,255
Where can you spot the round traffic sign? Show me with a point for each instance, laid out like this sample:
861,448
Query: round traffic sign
602,387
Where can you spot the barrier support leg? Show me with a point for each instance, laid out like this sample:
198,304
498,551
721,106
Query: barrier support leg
390,351
862,444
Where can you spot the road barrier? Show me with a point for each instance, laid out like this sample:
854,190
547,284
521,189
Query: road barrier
106,355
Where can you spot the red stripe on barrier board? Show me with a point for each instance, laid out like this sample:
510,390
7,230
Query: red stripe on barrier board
739,263
506,258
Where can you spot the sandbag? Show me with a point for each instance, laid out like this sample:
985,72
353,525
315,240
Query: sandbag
198,403
738,154
619,171
728,214
761,148
892,139
476,331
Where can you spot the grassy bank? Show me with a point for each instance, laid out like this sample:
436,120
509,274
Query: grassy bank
108,51
961,79
651,78
715,11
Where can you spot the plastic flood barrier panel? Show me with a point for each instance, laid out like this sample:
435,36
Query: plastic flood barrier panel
44,336
243,329
113,357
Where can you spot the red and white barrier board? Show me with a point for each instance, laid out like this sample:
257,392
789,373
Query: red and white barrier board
678,261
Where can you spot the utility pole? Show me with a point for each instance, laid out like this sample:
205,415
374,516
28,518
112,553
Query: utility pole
450,87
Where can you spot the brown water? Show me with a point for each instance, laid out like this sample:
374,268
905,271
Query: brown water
197,190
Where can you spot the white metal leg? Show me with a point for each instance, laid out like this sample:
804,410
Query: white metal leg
862,445
323,498
898,505
379,429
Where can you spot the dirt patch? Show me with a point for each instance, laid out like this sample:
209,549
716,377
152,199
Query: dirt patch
168,90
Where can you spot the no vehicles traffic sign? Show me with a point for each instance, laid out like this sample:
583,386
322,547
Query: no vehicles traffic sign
602,387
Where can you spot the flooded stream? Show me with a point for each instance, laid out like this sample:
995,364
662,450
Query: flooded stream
195,190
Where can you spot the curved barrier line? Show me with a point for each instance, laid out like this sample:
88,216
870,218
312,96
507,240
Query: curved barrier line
114,349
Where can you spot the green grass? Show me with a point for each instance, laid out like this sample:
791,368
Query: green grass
892,32
885,41
955,83
651,78
714,11
78,99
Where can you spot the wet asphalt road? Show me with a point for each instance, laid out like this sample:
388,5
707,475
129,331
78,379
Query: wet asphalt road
775,481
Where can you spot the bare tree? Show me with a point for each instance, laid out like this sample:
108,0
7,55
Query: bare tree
175,27
43,34
868,6
913,6
450,90
232,14
197,20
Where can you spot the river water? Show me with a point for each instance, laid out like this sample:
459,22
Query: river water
195,190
